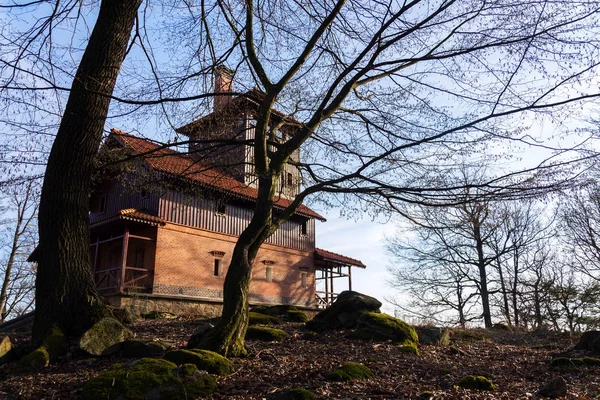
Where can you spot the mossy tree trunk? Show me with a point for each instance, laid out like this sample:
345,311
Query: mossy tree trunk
65,291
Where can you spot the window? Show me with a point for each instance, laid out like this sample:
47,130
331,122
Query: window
269,273
102,207
290,179
221,208
217,267
304,279
304,227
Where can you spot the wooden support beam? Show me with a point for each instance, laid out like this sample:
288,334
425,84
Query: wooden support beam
96,254
349,277
124,258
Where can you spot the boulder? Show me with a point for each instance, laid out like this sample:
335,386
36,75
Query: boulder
292,394
296,316
344,312
255,318
5,348
382,327
54,346
199,335
204,360
142,348
556,388
123,315
150,378
589,341
476,382
432,335
105,337
266,334
350,371
158,315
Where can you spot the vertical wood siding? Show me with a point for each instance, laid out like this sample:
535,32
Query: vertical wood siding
183,209
120,195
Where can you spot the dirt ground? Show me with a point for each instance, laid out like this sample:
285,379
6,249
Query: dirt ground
518,363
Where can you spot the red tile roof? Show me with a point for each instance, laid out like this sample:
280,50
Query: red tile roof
182,165
132,214
325,255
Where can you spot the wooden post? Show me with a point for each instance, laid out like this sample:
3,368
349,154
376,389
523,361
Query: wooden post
326,286
96,256
124,258
331,284
349,277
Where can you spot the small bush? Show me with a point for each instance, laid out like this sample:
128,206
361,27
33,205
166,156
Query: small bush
262,319
476,382
351,371
266,334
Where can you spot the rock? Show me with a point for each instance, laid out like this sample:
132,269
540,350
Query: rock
275,311
382,327
344,312
34,361
432,335
292,394
476,382
589,341
150,378
556,388
502,327
204,360
199,335
350,371
266,334
5,349
296,316
123,315
158,315
255,318
105,337
142,348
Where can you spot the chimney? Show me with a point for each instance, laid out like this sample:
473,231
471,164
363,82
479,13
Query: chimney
223,79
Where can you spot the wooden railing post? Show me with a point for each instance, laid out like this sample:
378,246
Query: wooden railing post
124,258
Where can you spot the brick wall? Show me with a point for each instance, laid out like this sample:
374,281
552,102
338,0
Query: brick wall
185,263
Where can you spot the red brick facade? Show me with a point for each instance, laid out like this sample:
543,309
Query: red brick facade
185,266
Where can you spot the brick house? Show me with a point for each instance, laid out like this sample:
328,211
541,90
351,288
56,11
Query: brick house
163,230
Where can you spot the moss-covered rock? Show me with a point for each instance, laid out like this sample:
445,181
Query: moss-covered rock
34,361
158,315
476,382
292,394
296,316
276,311
199,335
425,395
350,371
266,334
344,312
53,346
123,315
5,349
568,362
150,378
255,318
205,360
432,335
554,389
589,341
105,337
376,326
142,348
592,361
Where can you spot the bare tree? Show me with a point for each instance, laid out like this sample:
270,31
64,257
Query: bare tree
18,241
384,98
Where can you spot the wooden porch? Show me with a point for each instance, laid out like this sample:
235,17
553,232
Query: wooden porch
328,267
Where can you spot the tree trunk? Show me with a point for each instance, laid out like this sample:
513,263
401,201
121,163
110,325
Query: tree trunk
227,337
65,291
506,308
515,287
9,267
485,296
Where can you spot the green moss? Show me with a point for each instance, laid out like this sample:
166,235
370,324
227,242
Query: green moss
203,359
277,311
591,361
564,361
382,327
476,382
426,395
350,371
298,394
266,334
468,335
55,344
255,318
296,316
34,361
149,378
